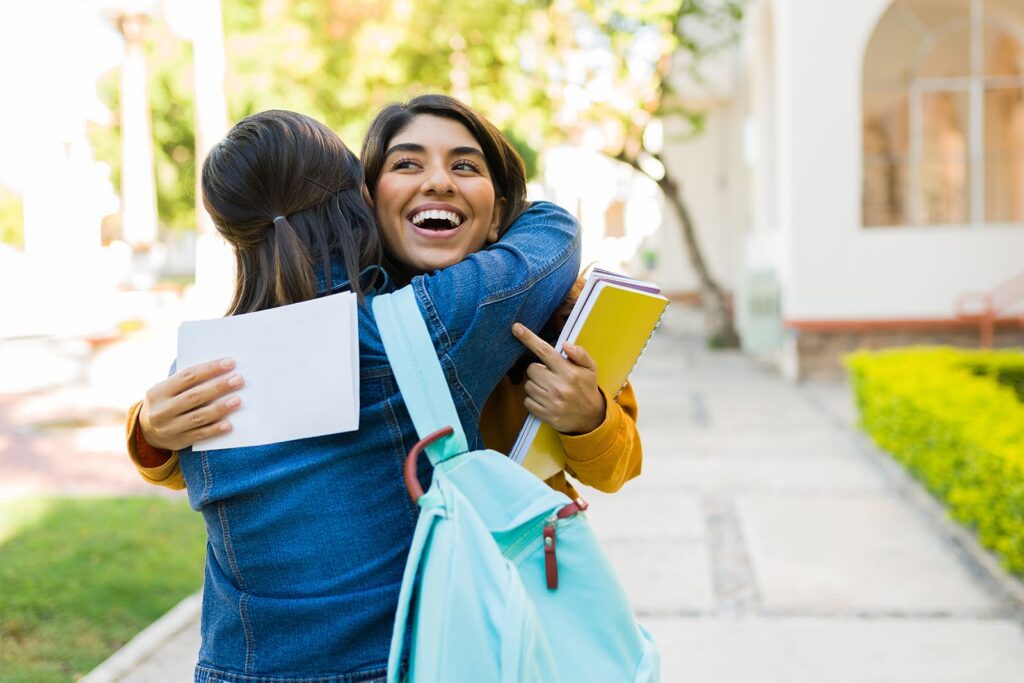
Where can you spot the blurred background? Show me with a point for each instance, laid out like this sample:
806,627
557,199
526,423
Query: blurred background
812,176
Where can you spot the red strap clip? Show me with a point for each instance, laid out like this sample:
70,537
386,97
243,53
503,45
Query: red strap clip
578,505
550,561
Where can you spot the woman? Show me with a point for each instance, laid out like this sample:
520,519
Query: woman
307,539
599,435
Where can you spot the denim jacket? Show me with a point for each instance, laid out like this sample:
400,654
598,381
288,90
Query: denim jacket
308,538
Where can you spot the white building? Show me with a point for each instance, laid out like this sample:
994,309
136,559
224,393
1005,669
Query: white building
863,168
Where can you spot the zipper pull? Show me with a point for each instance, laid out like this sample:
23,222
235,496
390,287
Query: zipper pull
550,561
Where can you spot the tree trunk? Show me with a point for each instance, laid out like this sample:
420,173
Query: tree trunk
138,181
215,261
718,313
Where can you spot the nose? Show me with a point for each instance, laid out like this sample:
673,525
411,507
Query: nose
438,181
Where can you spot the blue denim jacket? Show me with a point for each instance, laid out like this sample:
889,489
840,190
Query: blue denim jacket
308,538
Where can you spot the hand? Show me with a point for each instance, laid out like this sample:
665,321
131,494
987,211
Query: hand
190,405
562,391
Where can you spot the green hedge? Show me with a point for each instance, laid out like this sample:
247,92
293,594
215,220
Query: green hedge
955,419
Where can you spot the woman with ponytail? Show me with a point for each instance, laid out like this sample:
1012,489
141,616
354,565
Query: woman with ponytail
285,233
598,433
308,538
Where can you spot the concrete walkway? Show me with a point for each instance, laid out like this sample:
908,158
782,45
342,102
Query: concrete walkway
766,541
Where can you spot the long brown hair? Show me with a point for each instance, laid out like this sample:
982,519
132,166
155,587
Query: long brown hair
508,172
286,193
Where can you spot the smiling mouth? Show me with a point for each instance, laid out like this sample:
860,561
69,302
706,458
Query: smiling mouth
436,219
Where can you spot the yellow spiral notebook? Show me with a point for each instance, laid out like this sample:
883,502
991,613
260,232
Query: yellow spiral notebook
613,319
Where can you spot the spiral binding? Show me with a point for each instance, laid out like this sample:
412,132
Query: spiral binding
654,331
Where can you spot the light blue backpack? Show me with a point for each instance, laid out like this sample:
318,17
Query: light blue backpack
505,581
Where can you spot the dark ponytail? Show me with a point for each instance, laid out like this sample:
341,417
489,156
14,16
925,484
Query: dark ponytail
286,193
293,269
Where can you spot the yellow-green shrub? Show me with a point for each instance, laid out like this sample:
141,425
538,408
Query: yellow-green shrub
954,418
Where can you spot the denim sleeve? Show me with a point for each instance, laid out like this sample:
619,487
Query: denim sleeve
470,307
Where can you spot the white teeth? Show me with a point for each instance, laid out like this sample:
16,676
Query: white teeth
437,214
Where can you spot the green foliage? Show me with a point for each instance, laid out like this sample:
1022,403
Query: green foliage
946,415
80,577
12,224
171,102
520,62
1007,368
646,41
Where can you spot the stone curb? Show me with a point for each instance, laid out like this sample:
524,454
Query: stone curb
964,540
148,642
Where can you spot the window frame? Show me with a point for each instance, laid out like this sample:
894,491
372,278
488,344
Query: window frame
975,85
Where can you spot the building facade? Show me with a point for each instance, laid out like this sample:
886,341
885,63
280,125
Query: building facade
867,163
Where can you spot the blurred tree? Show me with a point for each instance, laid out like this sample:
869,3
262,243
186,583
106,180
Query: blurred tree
138,186
338,61
171,110
545,71
626,68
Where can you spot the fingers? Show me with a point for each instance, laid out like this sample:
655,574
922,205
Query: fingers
184,430
189,405
203,394
538,392
544,351
536,409
188,438
183,380
209,415
541,375
579,356
568,397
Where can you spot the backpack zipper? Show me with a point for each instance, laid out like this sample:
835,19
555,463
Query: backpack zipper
548,534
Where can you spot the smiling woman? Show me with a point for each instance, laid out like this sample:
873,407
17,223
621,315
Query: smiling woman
444,180
435,201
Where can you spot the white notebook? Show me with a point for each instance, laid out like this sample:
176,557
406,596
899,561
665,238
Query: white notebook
300,364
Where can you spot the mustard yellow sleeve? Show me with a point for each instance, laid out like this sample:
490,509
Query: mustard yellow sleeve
611,455
167,474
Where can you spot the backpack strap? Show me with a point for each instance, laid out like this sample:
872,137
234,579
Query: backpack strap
418,371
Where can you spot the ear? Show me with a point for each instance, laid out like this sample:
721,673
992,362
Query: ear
499,211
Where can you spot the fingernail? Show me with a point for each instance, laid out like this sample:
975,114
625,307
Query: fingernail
224,427
232,402
227,363
235,381
517,329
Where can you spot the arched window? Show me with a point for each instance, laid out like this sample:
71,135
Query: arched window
943,114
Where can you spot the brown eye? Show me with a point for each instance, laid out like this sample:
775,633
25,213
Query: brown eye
465,165
402,164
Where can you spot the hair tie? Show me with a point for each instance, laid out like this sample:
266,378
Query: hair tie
278,218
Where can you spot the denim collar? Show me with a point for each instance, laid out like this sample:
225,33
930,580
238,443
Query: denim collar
340,281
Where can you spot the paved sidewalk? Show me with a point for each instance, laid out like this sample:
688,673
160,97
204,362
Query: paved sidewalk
768,541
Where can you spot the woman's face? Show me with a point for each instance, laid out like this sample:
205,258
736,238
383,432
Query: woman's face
435,197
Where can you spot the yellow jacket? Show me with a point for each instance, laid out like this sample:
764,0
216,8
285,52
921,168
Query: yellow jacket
604,459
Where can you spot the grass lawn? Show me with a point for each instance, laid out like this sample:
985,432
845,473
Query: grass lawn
79,577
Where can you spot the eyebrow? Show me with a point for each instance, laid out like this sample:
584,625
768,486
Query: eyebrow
420,149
